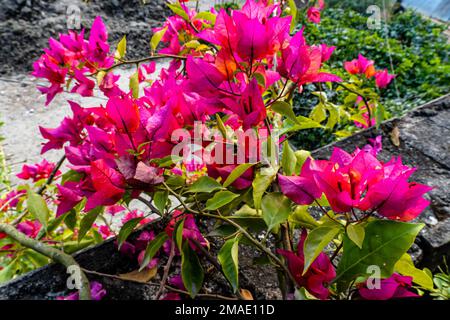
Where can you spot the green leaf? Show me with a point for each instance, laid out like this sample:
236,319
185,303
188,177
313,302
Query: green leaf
318,113
156,38
275,209
70,175
288,159
9,271
236,173
38,208
294,14
405,266
285,109
220,199
74,246
134,85
127,229
334,116
301,156
71,219
206,16
175,181
221,126
228,259
355,232
160,200
152,248
316,240
384,244
191,270
204,184
379,114
178,10
37,259
87,221
179,234
246,211
302,217
121,48
262,181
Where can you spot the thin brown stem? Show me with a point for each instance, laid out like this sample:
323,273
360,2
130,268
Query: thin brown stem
52,175
166,270
138,61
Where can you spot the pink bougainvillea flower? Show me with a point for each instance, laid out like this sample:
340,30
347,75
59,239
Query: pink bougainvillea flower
190,229
108,183
301,63
398,199
359,181
362,65
313,12
124,113
176,282
249,34
69,129
375,145
109,85
136,214
11,199
250,107
57,137
104,231
394,287
84,86
97,293
3,235
114,209
149,67
37,171
319,275
46,67
29,228
326,51
68,197
302,189
71,58
314,15
383,78
98,44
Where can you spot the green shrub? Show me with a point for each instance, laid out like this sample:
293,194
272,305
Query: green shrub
417,46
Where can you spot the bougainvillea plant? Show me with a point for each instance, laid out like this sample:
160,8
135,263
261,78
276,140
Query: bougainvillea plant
199,154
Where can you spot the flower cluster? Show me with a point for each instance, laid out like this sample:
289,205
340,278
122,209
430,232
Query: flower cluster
229,85
364,66
319,275
71,58
358,181
37,171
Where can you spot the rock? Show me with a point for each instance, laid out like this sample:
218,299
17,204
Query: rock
22,42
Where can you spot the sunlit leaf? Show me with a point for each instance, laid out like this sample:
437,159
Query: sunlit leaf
191,270
316,241
228,259
275,209
220,199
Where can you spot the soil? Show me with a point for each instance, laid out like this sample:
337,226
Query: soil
26,26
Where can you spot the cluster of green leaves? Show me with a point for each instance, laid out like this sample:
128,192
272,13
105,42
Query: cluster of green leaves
419,50
417,46
69,232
